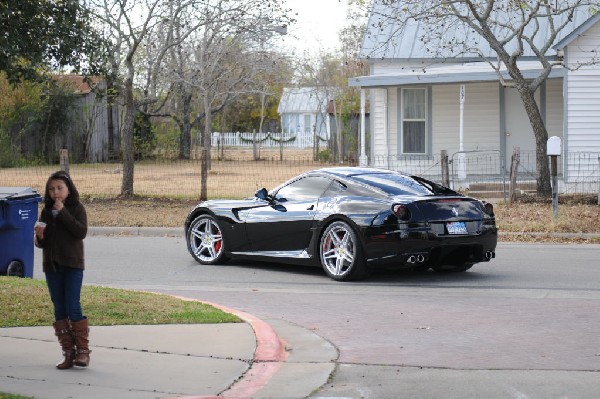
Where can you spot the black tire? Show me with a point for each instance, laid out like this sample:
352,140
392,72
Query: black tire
15,269
453,268
205,240
341,253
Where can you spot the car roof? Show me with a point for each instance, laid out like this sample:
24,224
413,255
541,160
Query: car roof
349,171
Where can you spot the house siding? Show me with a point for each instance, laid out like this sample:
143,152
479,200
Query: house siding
481,114
393,143
378,97
583,105
381,68
479,134
480,108
554,107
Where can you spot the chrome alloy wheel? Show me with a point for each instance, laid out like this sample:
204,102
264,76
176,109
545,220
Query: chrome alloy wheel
338,249
206,240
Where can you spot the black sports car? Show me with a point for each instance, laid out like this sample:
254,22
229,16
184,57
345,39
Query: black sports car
349,220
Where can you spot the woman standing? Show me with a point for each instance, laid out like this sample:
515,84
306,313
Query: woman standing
60,233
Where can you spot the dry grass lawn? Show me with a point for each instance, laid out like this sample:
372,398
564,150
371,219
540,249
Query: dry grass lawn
167,191
234,175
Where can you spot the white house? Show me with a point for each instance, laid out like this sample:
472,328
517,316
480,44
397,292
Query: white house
303,114
424,101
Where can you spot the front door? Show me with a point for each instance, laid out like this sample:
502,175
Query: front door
519,132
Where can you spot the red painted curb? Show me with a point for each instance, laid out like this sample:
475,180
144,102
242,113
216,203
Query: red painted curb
269,356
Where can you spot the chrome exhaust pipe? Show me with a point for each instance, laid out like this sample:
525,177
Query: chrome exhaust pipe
420,258
490,255
411,259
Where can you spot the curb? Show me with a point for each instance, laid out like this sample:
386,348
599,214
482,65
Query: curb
269,356
137,231
509,234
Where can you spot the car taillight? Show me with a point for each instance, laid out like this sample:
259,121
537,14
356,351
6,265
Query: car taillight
401,211
489,208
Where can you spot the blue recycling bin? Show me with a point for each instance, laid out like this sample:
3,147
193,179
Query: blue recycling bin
18,214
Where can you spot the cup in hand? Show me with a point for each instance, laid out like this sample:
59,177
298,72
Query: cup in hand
39,229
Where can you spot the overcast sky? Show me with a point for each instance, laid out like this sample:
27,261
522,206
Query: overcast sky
318,24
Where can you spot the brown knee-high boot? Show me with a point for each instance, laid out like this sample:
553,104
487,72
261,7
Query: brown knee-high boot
62,329
81,332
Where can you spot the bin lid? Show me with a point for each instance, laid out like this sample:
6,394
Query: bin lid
17,193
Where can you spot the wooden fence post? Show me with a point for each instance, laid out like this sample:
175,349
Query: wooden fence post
445,169
514,167
64,160
554,177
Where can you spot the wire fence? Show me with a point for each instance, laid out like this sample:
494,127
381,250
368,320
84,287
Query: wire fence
235,174
486,173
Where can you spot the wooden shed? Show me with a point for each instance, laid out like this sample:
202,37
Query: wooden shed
93,134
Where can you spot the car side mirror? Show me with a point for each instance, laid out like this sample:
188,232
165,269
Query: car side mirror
262,194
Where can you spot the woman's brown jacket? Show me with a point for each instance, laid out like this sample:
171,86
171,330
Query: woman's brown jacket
63,237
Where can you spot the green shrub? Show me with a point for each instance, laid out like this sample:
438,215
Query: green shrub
324,155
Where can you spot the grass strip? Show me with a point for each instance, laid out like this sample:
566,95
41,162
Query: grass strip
25,302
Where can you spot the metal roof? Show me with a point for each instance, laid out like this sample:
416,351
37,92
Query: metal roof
391,38
303,100
453,73
580,30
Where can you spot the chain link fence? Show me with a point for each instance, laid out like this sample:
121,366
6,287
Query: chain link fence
237,175
487,174
482,174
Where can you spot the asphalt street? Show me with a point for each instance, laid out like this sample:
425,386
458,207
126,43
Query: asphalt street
522,326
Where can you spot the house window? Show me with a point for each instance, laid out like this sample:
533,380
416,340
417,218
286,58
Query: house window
290,123
414,121
307,126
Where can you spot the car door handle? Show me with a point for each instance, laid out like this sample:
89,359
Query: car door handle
310,208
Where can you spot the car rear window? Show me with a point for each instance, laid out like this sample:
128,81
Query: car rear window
394,184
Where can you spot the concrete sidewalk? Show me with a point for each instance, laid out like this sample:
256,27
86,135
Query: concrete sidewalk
254,359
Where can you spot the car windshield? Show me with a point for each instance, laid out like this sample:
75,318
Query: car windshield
396,184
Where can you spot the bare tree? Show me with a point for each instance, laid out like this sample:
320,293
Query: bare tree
203,71
330,71
499,32
211,40
128,25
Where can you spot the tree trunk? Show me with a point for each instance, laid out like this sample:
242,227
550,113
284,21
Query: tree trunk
185,143
540,133
110,87
339,125
263,98
127,139
205,163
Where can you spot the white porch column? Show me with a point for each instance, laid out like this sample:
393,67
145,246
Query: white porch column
385,129
363,160
462,166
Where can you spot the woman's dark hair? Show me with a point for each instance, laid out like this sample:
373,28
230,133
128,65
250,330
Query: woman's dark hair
73,193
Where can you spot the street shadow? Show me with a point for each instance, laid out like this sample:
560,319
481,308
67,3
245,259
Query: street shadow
403,277
278,267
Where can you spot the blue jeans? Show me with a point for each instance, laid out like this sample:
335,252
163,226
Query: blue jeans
64,286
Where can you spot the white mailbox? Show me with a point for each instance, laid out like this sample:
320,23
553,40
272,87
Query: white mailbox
553,146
